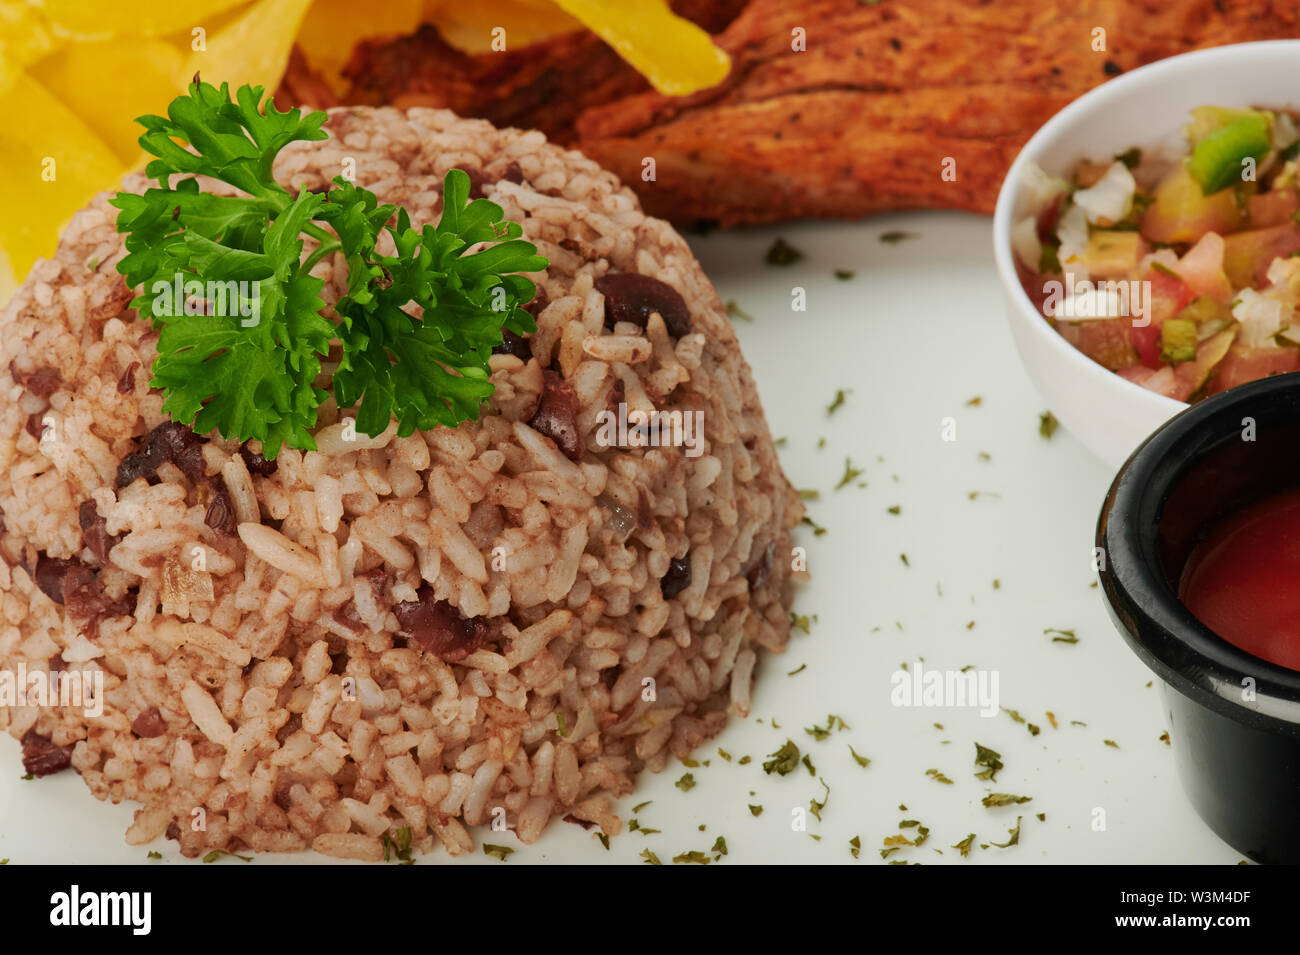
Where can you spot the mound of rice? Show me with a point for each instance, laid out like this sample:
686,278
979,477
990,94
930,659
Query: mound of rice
506,620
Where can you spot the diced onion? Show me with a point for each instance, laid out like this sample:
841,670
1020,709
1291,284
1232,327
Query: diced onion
1039,188
1073,234
1110,198
1024,241
1261,317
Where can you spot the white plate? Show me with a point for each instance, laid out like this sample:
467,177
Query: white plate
915,334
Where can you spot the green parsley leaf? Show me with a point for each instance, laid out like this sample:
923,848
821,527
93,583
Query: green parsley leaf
782,253
240,348
784,760
1047,424
990,760
497,852
650,857
862,761
686,783
216,854
1003,799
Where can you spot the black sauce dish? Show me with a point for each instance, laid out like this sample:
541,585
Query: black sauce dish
1234,718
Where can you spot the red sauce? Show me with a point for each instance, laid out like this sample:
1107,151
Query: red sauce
1243,580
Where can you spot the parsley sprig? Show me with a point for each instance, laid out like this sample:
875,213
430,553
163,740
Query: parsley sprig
414,331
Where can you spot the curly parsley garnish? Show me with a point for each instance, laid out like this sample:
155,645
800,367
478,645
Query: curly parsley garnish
246,361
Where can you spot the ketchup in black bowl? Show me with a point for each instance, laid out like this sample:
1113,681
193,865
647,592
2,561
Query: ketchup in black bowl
1243,579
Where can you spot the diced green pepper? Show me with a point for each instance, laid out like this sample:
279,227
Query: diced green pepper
1216,161
1178,340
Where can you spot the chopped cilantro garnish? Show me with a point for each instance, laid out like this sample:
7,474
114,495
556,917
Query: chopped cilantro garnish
497,852
1130,157
604,840
1062,636
1014,839
1111,743
896,236
809,494
990,760
816,806
903,558
784,760
801,622
965,845
561,723
650,857
694,856
151,855
1003,799
938,777
844,274
850,473
838,401
862,761
896,509
1047,424
399,845
719,848
686,783
817,529
216,854
641,805
735,311
755,810
855,846
782,253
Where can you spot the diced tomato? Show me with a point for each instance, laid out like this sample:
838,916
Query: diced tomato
1146,340
1202,268
1247,255
1103,340
1273,208
1243,364
1169,295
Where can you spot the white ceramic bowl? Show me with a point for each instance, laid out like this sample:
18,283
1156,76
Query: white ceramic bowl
1109,415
